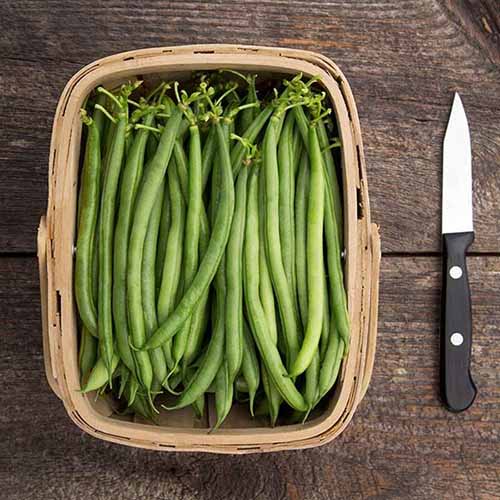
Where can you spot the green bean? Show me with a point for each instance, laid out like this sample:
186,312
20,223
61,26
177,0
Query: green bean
108,138
248,114
332,176
208,155
338,299
99,375
278,277
250,365
273,396
106,233
98,116
311,390
133,387
151,144
173,253
260,330
148,284
286,196
132,173
325,329
265,284
87,355
192,232
301,194
302,124
182,170
234,297
212,360
124,374
297,148
199,317
162,239
143,207
315,269
89,201
199,404
331,364
213,255
223,394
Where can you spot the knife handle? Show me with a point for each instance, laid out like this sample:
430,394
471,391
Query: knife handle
457,387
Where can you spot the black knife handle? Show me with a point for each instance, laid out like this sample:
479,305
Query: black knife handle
457,387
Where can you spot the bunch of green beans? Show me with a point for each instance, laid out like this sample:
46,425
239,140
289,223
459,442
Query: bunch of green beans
208,256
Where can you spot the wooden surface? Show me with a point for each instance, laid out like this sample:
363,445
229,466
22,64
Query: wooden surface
403,59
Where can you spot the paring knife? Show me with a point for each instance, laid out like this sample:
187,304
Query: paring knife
457,387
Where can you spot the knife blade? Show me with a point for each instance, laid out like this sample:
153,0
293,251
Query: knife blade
458,390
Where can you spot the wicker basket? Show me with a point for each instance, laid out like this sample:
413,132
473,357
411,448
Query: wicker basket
179,430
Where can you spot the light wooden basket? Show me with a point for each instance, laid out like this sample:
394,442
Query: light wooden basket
179,430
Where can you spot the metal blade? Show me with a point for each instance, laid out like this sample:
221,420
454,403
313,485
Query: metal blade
457,173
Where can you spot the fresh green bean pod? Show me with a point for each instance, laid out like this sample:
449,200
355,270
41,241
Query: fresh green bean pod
273,396
99,117
148,285
331,171
338,298
209,366
315,269
173,254
143,207
213,255
151,144
99,377
132,173
162,238
199,318
124,375
286,201
88,206
209,149
265,284
87,355
258,323
250,366
192,232
311,390
234,284
281,286
301,195
297,148
247,115
325,329
223,394
331,364
106,235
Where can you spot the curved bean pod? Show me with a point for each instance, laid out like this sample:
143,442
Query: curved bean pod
143,207
260,330
315,269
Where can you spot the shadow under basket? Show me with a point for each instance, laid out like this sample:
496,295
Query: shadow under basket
180,430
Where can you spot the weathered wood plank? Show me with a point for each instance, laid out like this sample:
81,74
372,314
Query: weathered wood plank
403,59
401,443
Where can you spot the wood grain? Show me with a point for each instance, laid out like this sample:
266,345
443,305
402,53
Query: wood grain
403,59
401,444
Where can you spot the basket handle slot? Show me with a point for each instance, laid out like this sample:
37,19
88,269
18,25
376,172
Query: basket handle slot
373,313
48,343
